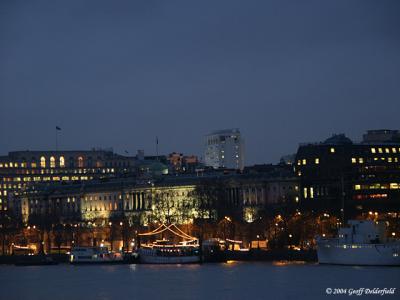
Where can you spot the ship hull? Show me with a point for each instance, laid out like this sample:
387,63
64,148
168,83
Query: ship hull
359,254
149,256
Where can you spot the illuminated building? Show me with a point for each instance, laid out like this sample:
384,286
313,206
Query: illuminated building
224,149
357,176
180,163
21,169
180,199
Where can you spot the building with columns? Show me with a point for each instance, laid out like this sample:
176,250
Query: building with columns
179,199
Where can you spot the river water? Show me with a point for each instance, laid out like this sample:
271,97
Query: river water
233,280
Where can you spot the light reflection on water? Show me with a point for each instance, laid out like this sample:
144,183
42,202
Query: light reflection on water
231,280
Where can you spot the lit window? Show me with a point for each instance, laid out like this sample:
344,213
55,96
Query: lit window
332,150
380,150
80,162
62,161
305,193
389,159
361,160
394,186
353,160
373,150
33,165
311,192
43,162
317,161
304,161
52,162
387,150
357,187
394,150
299,162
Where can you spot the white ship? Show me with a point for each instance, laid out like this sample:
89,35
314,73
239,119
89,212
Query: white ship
362,243
166,252
94,255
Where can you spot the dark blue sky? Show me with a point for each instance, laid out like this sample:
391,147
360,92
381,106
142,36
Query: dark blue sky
118,73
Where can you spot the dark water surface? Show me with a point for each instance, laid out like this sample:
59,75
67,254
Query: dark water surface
235,280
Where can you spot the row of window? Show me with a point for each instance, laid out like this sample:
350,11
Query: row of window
64,171
310,192
61,163
385,150
360,160
304,161
378,186
354,160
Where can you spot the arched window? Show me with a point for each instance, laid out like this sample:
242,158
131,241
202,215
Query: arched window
52,162
80,162
43,162
62,161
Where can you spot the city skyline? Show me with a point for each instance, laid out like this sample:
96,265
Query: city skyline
118,75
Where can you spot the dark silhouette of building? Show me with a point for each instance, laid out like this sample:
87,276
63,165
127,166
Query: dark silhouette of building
356,177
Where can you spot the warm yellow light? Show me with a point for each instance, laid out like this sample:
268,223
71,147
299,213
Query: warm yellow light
62,161
52,162
317,161
43,162
332,150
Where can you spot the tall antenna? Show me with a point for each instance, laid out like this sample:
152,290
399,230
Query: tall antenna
57,130
157,147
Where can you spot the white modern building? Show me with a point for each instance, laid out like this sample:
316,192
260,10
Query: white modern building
224,149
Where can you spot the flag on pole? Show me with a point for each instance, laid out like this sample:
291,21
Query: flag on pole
58,128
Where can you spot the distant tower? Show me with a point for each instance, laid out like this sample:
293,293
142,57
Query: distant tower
224,149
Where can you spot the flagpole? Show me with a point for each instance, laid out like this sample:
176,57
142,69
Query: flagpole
56,139
157,147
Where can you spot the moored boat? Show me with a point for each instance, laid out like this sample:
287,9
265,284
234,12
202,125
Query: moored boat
94,255
362,243
34,260
166,252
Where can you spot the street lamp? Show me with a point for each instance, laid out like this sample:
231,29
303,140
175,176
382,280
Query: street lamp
258,241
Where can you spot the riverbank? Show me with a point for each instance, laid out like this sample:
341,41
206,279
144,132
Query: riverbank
251,255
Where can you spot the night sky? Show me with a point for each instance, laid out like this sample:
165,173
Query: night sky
119,73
